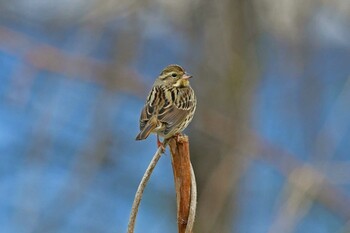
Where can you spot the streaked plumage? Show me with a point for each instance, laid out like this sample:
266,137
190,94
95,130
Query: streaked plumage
170,105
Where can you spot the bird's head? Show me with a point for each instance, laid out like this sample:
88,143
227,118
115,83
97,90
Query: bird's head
174,75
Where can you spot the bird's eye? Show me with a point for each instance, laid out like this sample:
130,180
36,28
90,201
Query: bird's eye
174,75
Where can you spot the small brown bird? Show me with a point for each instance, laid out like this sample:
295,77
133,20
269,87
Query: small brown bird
170,105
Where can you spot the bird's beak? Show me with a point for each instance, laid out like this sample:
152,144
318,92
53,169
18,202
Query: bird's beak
183,81
186,76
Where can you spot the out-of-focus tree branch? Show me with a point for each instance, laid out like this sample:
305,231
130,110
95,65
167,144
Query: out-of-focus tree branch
45,57
283,161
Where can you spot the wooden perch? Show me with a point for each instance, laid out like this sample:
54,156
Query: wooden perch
184,183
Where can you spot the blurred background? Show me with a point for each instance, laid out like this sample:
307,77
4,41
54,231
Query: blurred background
269,141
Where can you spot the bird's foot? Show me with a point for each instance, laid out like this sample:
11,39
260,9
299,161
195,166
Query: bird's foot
179,137
160,144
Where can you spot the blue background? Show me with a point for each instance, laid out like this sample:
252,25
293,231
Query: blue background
68,158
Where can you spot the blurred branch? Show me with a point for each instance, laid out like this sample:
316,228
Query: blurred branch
325,143
215,195
141,188
305,182
185,184
285,162
87,163
302,189
107,10
338,172
46,57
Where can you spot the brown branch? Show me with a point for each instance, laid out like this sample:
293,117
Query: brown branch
184,183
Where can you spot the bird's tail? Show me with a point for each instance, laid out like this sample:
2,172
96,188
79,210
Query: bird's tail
149,127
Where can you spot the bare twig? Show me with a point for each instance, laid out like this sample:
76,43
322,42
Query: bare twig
193,205
141,188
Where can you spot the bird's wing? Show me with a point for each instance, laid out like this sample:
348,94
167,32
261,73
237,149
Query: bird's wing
151,106
171,106
173,117
175,112
144,118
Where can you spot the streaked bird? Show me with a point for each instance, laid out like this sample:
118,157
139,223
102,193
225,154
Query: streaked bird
170,105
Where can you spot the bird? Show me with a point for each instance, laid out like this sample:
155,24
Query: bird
170,105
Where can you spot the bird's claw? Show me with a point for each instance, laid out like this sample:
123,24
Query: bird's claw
179,137
160,145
